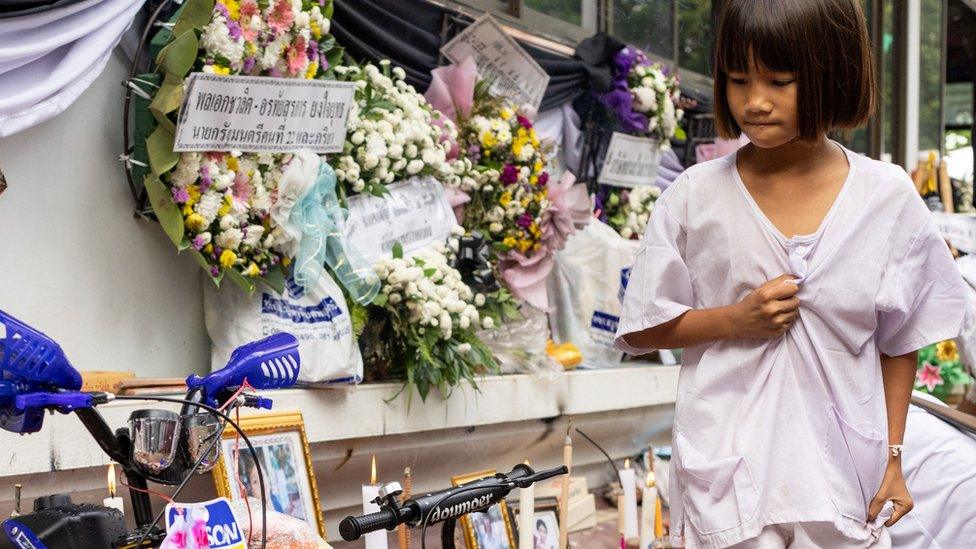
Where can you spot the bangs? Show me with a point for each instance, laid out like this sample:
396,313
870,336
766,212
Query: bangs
767,31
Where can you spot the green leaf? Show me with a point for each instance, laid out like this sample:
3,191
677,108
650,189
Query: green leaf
397,250
429,272
245,283
159,145
194,15
328,10
178,56
327,44
380,300
169,96
166,210
335,56
680,134
274,279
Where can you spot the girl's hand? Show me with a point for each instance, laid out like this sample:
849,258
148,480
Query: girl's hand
768,311
893,489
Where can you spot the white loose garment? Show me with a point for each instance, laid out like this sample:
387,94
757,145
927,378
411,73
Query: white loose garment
792,428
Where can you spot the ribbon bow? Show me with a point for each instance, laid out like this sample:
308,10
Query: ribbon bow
318,216
472,262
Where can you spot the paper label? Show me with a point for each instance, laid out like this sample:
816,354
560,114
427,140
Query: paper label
958,229
223,532
263,114
500,60
414,213
631,161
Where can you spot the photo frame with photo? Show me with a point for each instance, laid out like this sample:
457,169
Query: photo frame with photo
289,478
546,530
546,509
493,529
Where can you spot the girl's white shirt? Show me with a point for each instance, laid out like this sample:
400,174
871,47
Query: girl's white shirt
793,428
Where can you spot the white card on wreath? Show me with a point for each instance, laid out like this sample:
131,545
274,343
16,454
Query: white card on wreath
263,114
958,229
631,161
500,60
414,213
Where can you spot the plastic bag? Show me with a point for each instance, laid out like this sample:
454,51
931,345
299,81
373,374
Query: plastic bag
520,346
318,318
284,531
586,289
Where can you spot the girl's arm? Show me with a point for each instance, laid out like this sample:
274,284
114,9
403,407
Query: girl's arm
767,311
898,377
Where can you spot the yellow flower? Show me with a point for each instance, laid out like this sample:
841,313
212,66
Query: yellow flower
505,198
526,201
285,261
187,210
533,179
534,137
233,8
194,221
228,258
224,210
232,163
208,248
524,245
488,139
316,30
313,69
947,351
509,241
534,229
252,270
217,69
193,192
536,246
537,168
505,114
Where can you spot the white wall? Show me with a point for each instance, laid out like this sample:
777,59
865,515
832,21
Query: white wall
76,264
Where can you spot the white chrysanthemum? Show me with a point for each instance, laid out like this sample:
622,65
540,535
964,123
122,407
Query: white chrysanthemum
208,206
230,239
187,169
217,41
253,235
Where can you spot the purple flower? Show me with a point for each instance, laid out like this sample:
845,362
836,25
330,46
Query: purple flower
509,174
323,60
198,243
525,122
180,196
233,27
222,9
313,49
205,180
275,72
543,179
214,272
525,221
248,65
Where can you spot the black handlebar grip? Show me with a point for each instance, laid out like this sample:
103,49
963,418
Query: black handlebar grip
353,528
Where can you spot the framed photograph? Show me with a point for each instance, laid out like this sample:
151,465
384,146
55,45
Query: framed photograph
492,529
282,451
545,534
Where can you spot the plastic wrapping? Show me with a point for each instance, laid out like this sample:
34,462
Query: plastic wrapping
520,346
284,531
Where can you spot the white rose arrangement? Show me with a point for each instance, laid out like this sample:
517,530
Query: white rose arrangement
656,95
629,210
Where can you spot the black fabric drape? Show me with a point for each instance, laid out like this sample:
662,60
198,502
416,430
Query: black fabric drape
408,33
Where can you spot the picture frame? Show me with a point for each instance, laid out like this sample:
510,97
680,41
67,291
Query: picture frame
281,444
493,529
547,508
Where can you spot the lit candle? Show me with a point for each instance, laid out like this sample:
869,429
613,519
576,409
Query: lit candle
113,501
374,540
526,512
564,500
648,509
628,481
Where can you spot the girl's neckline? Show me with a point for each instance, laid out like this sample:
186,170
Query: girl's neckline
757,211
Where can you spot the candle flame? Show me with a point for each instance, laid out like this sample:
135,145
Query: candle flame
111,479
650,479
627,463
372,474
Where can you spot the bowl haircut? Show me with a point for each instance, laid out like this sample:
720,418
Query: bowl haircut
824,43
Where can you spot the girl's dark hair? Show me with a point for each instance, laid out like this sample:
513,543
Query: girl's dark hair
824,42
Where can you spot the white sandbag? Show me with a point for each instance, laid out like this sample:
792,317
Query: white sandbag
585,292
319,319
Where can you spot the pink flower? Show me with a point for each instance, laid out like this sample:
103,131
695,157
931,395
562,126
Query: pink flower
281,17
296,56
249,8
242,188
929,376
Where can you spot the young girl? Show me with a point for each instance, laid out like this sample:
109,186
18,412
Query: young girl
800,279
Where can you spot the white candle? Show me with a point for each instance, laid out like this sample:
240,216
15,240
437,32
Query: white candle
112,501
374,540
526,513
648,509
628,481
